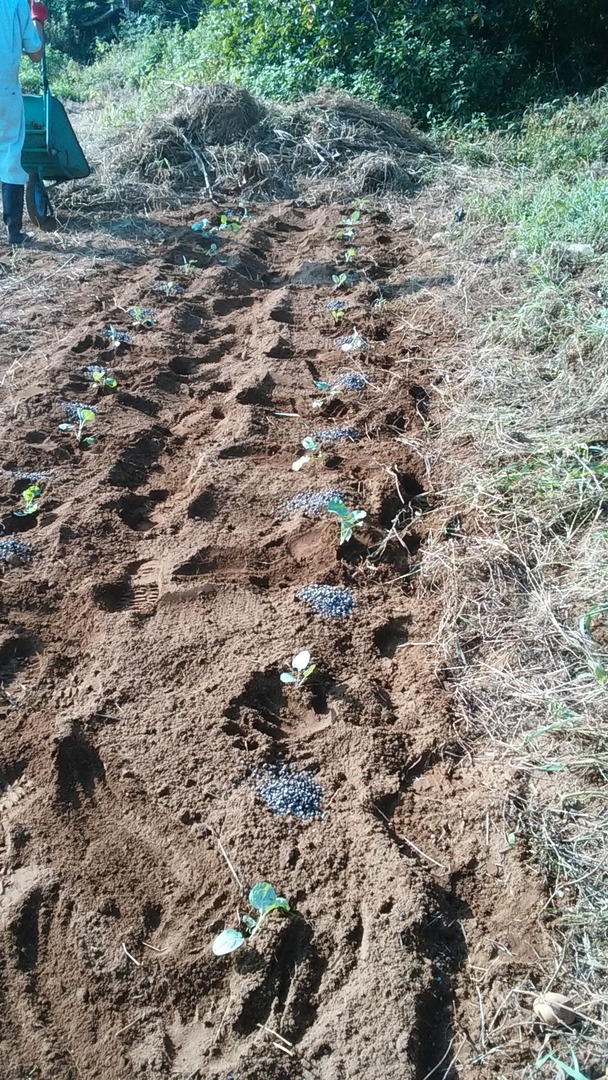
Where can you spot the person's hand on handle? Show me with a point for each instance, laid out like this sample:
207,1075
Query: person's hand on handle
38,12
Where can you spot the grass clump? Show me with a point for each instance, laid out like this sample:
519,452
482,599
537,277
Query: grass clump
524,633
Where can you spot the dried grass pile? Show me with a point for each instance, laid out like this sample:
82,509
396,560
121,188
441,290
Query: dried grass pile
327,146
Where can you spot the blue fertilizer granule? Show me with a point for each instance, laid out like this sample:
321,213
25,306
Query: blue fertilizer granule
336,305
350,380
309,502
33,477
287,791
15,552
118,337
332,601
332,435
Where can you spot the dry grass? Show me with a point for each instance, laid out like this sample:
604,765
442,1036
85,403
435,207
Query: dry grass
523,574
219,141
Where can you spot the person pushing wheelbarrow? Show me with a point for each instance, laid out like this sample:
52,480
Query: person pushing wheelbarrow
21,30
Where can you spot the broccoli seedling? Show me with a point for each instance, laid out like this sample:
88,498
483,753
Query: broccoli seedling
229,221
349,255
190,265
100,376
339,280
116,337
346,234
29,497
303,670
263,899
349,519
168,288
352,219
354,342
79,415
142,316
313,448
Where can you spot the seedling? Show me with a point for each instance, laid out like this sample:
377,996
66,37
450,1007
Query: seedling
79,416
336,309
346,234
100,376
303,670
169,288
117,337
142,316
229,221
263,899
339,280
349,519
190,265
29,497
313,449
348,380
212,250
352,342
200,226
349,255
352,219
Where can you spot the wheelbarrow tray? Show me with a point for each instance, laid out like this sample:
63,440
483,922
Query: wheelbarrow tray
58,157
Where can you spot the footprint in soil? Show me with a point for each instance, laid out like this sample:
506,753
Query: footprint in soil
15,651
78,767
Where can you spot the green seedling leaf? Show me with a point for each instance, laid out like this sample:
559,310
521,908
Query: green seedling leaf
308,672
85,415
227,942
584,623
350,254
64,427
353,218
287,677
212,250
280,904
88,441
349,519
29,497
309,444
346,234
320,384
262,896
200,226
574,1073
249,923
339,280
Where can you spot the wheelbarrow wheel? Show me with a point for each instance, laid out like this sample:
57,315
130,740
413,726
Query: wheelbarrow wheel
38,205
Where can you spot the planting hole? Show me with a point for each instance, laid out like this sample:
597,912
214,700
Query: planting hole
114,595
14,652
185,366
203,507
391,635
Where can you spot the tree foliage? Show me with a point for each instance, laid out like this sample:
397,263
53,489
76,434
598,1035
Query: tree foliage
435,58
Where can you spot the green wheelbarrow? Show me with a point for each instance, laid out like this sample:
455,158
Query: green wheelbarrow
51,152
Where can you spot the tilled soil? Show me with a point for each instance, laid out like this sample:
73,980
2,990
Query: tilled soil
140,658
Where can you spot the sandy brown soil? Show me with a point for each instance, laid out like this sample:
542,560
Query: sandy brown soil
140,657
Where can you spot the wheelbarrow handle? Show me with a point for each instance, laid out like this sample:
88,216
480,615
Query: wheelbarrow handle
44,82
